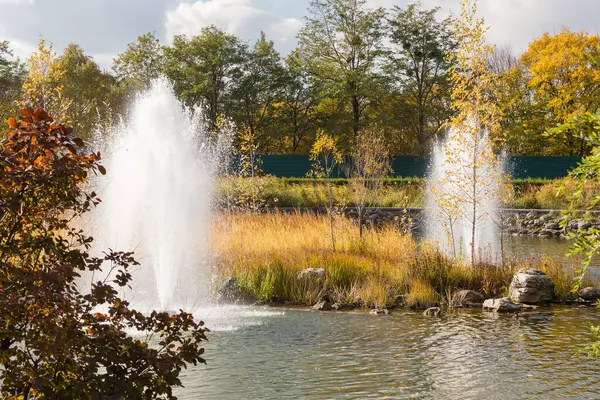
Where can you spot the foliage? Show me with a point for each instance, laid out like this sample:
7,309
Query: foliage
326,157
587,241
12,74
57,338
142,62
43,86
419,63
258,89
468,153
565,83
90,92
368,167
203,70
341,46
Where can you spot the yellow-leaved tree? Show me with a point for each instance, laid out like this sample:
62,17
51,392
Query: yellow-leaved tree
326,157
471,176
43,87
565,83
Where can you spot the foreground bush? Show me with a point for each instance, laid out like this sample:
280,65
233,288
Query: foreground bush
266,252
57,340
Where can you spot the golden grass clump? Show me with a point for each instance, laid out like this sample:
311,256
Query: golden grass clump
266,252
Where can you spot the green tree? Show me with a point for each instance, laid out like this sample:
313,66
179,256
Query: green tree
92,93
141,63
12,75
58,339
294,116
419,62
258,88
341,45
204,68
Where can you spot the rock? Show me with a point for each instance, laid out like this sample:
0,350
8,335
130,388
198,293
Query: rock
467,298
590,294
531,286
573,225
554,226
503,305
546,218
546,233
232,292
378,311
322,306
312,273
584,225
342,306
432,312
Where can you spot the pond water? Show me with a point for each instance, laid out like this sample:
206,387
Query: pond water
266,353
272,353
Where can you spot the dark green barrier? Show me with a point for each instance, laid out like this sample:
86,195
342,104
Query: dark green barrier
298,166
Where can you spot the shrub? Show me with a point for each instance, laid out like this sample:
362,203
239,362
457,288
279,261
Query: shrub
54,340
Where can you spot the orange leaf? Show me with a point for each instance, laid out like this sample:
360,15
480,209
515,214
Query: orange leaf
26,113
12,123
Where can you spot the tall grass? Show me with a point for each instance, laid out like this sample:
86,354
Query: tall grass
266,252
400,192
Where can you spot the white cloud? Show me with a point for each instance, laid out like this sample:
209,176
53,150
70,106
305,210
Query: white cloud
518,22
240,17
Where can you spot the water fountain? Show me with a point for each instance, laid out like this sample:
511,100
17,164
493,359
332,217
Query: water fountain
463,192
161,169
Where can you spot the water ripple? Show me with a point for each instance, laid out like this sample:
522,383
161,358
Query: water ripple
272,354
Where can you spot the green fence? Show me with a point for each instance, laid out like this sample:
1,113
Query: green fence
298,166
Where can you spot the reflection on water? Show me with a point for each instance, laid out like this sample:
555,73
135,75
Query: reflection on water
464,355
267,353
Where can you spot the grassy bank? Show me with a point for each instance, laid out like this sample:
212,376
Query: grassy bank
266,252
402,192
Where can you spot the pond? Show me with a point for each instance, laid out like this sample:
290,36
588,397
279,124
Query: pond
273,353
267,353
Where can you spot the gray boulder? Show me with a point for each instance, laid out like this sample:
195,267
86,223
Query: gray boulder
432,312
467,298
312,273
590,294
378,311
503,305
531,286
232,292
322,306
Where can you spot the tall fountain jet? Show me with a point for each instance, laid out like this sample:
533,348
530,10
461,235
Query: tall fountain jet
158,197
463,195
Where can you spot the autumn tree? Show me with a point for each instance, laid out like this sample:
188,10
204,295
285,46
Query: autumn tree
204,68
418,67
12,74
564,83
43,85
473,176
326,159
59,339
341,45
142,62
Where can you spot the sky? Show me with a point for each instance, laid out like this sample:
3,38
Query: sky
104,27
